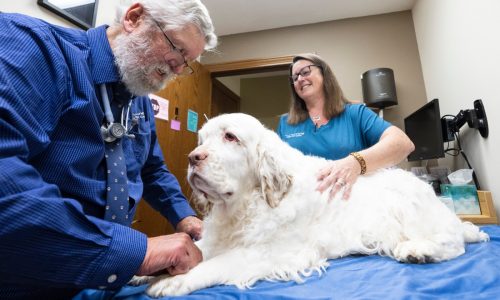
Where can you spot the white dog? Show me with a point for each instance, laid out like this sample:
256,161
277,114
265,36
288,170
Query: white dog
267,221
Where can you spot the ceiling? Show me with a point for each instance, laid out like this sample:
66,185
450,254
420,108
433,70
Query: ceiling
239,16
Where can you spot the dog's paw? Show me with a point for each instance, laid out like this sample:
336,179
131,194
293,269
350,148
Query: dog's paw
140,280
169,286
415,252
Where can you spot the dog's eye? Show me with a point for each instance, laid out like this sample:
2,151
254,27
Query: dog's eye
230,137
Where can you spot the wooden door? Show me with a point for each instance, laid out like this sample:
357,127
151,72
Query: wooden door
185,92
223,99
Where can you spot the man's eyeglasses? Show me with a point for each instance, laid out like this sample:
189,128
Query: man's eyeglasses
304,72
187,70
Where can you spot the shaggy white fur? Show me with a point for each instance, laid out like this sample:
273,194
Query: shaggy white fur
267,221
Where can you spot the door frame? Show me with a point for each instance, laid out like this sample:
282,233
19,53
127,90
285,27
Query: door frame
249,66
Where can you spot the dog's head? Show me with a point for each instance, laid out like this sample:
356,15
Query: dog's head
237,156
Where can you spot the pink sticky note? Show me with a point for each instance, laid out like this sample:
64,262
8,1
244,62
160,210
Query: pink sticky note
175,125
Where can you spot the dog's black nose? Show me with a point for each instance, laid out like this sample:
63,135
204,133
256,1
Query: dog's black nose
196,157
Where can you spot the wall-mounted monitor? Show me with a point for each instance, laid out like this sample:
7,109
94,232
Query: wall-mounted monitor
423,127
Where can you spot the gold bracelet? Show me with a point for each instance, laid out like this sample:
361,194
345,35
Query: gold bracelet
360,160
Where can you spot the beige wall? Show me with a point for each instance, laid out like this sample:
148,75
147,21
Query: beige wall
106,12
232,82
350,46
266,98
460,49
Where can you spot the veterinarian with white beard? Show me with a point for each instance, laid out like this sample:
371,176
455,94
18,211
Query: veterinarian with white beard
55,238
323,123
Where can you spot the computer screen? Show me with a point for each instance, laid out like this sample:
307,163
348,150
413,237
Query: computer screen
423,127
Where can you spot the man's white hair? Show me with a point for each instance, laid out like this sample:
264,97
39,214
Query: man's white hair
175,14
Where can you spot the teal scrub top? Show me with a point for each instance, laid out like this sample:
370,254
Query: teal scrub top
355,129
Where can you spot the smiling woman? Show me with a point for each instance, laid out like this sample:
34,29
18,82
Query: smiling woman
80,12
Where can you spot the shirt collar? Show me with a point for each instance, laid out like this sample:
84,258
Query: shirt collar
103,66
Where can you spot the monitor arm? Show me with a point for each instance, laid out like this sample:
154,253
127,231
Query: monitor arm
475,118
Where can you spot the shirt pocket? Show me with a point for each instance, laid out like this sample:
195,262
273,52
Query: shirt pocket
142,141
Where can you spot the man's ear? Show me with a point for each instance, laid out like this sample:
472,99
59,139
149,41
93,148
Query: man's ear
133,17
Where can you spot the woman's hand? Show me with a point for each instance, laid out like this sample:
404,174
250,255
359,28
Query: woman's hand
340,175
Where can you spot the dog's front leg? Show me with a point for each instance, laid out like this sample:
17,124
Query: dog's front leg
140,280
240,267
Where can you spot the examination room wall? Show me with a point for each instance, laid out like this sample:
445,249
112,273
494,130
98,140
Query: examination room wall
350,46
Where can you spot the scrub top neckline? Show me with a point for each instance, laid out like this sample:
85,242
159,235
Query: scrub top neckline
320,128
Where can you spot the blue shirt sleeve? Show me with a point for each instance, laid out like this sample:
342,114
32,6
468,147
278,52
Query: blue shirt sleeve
161,187
371,126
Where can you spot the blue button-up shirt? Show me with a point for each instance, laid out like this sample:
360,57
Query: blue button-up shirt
53,240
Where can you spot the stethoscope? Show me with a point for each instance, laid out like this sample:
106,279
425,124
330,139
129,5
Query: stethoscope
114,131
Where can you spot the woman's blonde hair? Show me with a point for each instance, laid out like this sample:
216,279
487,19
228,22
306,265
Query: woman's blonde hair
334,97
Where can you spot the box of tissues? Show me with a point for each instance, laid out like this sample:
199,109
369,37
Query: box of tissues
464,198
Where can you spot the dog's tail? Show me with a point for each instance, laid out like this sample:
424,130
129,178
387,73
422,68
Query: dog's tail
472,233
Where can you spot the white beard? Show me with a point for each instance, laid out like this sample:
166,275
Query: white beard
133,57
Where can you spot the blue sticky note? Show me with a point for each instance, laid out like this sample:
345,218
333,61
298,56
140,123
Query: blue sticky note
192,121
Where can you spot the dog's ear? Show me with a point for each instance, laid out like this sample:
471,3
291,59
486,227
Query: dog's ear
275,181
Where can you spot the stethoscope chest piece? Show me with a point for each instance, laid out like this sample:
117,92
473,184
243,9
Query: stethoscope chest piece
113,132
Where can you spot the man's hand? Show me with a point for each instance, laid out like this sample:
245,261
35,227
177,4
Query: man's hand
175,253
192,226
